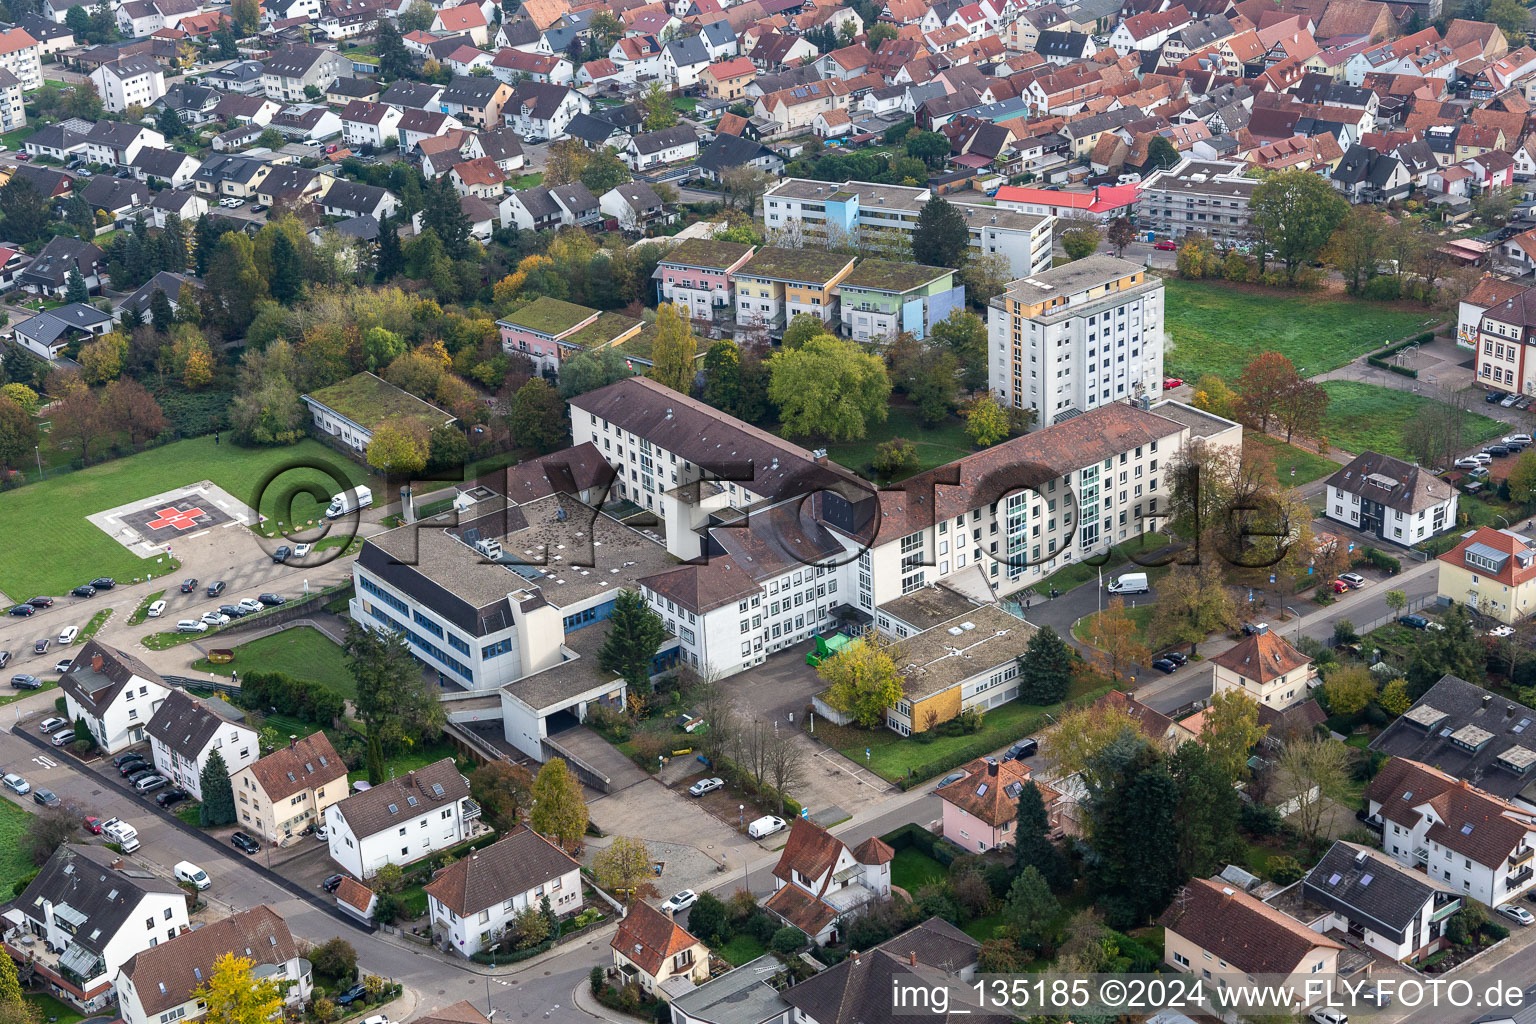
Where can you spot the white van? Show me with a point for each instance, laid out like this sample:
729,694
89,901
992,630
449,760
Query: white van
765,826
186,871
1130,583
349,501
121,833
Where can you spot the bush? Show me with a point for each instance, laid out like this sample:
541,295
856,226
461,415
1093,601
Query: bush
787,941
303,699
1380,560
595,980
1258,819
1286,870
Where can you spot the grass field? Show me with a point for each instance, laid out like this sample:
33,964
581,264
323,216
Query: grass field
141,613
912,869
1141,615
1293,466
51,547
1366,416
52,1010
935,447
302,652
1078,573
1214,328
742,949
410,759
14,860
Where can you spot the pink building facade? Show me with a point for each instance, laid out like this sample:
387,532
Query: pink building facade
698,276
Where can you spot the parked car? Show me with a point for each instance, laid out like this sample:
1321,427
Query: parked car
1519,915
231,611
188,585
104,583
1354,579
352,995
1498,451
46,797
951,777
191,626
63,666
1495,396
151,783
1165,245
40,602
23,610
41,647
1172,382
16,784
332,882
282,553
172,797
272,600
186,871
1524,439
1466,463
141,773
681,902
1413,621
216,588
765,826
128,768
1328,1015
92,824
67,635
1481,458
1509,400
246,844
62,737
301,550
216,618
155,610
248,605
1165,666
23,681
705,786
1339,587
84,590
1022,749
122,759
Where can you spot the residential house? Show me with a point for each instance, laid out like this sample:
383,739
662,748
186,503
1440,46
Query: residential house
697,276
549,330
184,734
1266,668
115,196
1493,572
476,101
1212,928
402,820
370,124
480,177
114,692
635,206
350,199
306,122
819,881
473,900
230,175
165,281
650,948
129,81
52,331
48,274
13,110
880,298
660,148
730,151
982,806
415,125
21,55
1391,499
287,74
683,59
1470,840
288,790
167,981
777,284
728,80
345,90
84,915
540,111
466,19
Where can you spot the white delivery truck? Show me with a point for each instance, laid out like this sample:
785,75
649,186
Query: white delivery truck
1130,583
121,833
348,502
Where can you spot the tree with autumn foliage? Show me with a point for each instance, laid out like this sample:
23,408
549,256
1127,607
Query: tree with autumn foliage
1116,640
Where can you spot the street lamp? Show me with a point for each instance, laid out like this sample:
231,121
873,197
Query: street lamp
488,1010
1294,612
36,450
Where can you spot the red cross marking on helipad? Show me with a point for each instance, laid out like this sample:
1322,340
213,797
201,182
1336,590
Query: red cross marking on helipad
182,520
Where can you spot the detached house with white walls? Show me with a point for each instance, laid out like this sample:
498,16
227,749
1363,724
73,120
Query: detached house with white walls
86,913
128,81
1395,500
162,983
1472,841
115,692
184,734
1268,669
820,880
402,820
473,900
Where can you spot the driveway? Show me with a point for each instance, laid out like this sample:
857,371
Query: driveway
601,755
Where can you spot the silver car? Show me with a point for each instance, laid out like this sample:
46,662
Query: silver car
16,784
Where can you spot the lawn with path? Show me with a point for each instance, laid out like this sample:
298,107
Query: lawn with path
302,652
1219,328
50,516
1367,416
944,443
1293,466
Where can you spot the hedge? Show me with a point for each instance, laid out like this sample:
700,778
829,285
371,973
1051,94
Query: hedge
912,835
516,956
1379,358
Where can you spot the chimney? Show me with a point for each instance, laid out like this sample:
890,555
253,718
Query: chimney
992,766
97,661
1226,894
293,741
912,958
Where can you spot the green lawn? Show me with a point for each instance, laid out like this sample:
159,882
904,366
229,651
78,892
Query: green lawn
14,139
523,181
302,652
944,443
912,869
740,950
15,863
983,929
892,756
1367,416
50,516
1141,615
410,759
1219,329
48,684
685,104
53,1011
1293,466
142,611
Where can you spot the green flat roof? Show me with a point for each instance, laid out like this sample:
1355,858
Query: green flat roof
549,316
886,276
370,402
808,265
604,329
640,345
706,252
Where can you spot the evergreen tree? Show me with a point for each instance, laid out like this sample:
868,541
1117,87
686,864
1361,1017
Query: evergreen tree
941,238
133,319
394,58
722,375
390,260
80,216
1208,812
1135,833
74,288
160,312
26,211
1032,840
170,124
1045,668
287,280
229,46
218,793
635,633
443,214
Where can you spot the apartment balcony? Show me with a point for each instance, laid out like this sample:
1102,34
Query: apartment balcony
1521,856
1518,879
472,810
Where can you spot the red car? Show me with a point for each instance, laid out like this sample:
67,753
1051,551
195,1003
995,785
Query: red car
23,156
330,149
93,825
1339,586
1169,383
1167,245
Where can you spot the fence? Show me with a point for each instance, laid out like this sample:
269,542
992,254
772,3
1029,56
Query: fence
1413,605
